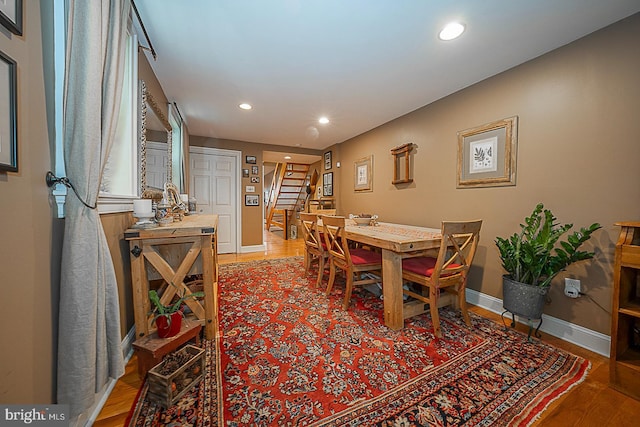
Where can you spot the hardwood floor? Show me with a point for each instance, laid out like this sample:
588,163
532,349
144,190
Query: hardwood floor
591,403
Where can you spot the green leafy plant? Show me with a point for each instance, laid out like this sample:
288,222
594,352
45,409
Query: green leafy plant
161,309
533,257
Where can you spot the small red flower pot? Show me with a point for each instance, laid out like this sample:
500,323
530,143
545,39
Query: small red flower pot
168,328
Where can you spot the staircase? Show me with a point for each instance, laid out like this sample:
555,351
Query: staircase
286,195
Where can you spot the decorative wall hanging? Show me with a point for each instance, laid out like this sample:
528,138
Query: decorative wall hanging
401,172
8,118
250,159
252,200
327,160
327,184
11,15
487,154
363,174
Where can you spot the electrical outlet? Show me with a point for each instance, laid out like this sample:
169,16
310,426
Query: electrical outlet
572,288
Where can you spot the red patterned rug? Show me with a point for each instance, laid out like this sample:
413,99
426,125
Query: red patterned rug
290,356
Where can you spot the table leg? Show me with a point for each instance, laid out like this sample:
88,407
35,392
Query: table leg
210,288
140,286
392,289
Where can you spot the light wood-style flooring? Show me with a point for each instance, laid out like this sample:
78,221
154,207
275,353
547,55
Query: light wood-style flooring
592,403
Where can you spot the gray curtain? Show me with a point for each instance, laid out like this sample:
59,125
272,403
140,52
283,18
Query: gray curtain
89,340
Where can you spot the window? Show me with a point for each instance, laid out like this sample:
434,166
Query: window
120,182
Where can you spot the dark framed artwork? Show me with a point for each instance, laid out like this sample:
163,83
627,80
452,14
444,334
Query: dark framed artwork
8,115
254,170
245,173
255,179
252,200
11,15
487,154
327,184
251,160
327,160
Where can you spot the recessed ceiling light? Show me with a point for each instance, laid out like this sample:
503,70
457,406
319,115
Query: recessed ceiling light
245,106
451,31
323,120
287,157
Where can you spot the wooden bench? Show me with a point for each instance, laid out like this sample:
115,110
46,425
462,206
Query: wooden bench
151,349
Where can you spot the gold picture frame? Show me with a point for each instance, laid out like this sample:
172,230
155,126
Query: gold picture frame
363,174
487,154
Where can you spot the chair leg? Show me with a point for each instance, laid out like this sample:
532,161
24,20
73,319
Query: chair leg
462,303
348,290
307,261
433,307
332,277
320,270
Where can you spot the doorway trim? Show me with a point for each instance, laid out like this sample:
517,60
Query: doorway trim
237,155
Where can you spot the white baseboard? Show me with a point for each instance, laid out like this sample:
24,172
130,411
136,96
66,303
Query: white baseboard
254,248
575,334
103,395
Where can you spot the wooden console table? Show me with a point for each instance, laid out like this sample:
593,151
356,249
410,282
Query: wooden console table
171,253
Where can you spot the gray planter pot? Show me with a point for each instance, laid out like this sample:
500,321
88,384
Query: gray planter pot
523,299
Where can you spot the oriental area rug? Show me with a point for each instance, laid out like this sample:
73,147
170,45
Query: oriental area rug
288,355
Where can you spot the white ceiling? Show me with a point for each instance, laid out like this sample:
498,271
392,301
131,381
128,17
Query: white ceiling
361,63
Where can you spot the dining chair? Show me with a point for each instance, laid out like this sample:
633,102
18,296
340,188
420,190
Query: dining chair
448,271
315,249
353,261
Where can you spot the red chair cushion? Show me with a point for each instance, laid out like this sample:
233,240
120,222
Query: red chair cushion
362,256
423,266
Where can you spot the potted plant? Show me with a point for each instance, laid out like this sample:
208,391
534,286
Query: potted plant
533,257
168,318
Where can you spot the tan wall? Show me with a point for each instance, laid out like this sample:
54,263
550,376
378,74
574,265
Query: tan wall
252,225
578,150
30,239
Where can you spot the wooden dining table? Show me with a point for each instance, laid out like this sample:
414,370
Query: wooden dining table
396,241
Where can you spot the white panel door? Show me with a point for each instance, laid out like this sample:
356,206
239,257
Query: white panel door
213,184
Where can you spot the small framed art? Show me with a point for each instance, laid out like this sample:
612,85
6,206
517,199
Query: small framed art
8,120
327,184
252,200
487,154
11,15
363,174
327,160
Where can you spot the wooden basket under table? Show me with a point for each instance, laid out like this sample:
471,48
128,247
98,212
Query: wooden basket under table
185,377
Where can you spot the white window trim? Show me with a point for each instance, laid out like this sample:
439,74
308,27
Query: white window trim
59,46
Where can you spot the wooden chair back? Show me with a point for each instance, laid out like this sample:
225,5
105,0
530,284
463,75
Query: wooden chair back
333,228
457,250
310,231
